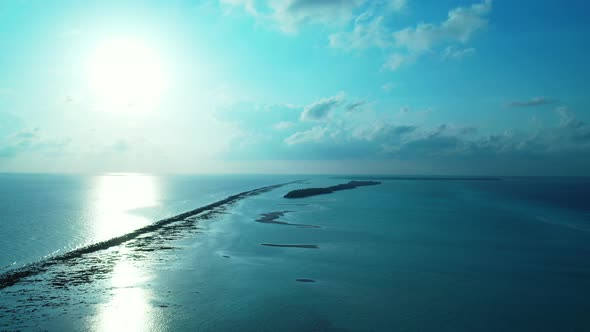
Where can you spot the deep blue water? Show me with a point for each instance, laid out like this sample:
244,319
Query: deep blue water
509,255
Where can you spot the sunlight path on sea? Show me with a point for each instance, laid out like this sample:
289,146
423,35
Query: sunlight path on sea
116,197
130,307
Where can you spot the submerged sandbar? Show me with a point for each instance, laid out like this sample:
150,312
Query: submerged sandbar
305,246
272,218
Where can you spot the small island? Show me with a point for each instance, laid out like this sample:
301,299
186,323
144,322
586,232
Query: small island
301,193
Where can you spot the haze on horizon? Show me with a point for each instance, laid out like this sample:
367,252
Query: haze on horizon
292,86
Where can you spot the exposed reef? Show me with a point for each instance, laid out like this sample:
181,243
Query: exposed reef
301,193
305,246
271,218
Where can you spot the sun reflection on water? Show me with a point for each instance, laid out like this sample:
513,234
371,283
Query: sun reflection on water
129,308
118,200
118,203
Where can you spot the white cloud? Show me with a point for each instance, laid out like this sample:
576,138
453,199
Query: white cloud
322,109
369,27
536,101
370,30
368,135
564,115
452,52
30,141
290,14
248,5
396,60
283,125
367,32
387,87
461,24
397,5
312,135
357,105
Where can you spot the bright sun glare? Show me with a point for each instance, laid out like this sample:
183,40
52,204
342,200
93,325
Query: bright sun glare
126,74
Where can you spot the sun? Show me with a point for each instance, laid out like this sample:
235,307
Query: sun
126,74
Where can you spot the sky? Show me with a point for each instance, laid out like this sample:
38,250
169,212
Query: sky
467,87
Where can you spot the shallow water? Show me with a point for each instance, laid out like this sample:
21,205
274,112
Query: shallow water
404,255
44,214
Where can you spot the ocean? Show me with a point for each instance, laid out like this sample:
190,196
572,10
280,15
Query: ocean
409,254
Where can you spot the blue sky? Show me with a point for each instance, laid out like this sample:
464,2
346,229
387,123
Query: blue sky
295,86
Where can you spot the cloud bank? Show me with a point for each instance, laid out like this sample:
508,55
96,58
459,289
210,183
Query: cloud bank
559,148
533,102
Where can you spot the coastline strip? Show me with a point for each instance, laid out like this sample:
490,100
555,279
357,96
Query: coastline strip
424,178
12,277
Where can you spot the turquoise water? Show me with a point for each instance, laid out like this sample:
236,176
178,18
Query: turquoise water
402,256
44,214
